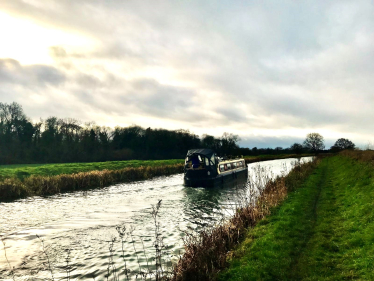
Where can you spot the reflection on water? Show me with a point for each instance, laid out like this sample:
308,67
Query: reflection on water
81,225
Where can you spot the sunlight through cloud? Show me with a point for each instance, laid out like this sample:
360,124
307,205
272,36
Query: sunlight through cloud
29,43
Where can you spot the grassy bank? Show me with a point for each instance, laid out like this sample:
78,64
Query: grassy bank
323,231
206,253
14,188
23,171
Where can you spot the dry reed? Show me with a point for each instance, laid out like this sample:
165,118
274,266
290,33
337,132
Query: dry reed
360,155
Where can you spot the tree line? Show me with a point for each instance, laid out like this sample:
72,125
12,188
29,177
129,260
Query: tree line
58,140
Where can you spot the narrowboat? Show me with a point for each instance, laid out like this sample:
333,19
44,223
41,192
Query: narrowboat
203,168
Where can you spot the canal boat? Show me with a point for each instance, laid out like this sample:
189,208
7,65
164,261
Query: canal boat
203,168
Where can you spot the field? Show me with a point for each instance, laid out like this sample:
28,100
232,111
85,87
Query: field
22,171
323,231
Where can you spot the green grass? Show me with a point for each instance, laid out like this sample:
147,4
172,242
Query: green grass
22,171
323,231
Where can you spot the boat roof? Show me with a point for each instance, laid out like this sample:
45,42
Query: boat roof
202,151
231,160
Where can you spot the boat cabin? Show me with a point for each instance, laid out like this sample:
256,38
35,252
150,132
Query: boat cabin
200,162
230,165
204,168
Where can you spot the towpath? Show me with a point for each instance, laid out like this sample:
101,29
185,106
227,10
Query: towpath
323,231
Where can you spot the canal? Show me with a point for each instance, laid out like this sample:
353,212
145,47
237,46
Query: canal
75,231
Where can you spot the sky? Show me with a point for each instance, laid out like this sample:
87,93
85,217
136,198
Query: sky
268,71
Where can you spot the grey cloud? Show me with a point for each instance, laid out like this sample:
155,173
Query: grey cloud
11,71
57,52
162,101
233,114
272,142
88,81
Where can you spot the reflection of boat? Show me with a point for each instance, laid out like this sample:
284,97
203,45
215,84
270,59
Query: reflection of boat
203,168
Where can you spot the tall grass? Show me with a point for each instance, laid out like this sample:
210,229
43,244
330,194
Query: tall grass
14,188
360,155
206,253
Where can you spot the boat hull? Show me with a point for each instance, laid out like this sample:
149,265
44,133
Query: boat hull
221,179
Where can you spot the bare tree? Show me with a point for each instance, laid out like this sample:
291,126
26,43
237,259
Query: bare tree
314,142
229,142
9,113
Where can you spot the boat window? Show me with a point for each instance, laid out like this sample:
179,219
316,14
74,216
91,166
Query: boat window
221,168
228,166
213,159
206,161
188,162
234,165
194,161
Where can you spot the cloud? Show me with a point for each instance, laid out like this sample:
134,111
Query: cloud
212,67
12,72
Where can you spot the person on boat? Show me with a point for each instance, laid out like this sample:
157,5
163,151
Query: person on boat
195,162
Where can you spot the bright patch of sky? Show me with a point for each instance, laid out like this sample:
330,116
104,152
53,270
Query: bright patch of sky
29,43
